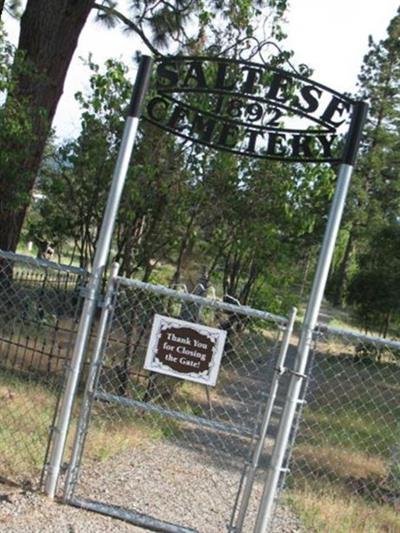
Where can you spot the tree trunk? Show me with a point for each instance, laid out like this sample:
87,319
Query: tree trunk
176,278
49,35
386,325
307,264
1,7
251,279
342,273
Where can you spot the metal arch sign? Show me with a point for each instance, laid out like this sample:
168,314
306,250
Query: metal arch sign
248,108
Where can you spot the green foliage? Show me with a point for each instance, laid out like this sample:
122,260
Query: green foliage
248,222
374,199
75,180
380,85
374,289
6,55
12,7
190,27
16,131
205,26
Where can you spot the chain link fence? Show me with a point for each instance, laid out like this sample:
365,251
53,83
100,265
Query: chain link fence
39,305
345,465
165,450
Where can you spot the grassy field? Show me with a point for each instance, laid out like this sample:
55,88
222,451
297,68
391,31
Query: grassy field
345,474
26,416
27,409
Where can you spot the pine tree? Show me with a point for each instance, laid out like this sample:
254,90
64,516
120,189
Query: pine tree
374,198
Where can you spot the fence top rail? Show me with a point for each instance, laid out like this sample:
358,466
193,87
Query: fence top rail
320,328
208,302
44,263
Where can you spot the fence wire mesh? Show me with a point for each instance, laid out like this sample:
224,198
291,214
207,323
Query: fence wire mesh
174,449
345,465
39,304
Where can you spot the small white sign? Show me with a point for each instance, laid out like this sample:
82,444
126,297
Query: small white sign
185,350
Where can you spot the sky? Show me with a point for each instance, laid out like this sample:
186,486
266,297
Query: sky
330,36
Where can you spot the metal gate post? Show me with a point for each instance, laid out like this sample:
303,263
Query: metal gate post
99,264
279,370
90,388
345,170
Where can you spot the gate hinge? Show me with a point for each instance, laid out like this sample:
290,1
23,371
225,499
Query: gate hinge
88,293
103,302
297,374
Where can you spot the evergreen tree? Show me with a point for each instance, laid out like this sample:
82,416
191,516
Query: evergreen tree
375,288
374,198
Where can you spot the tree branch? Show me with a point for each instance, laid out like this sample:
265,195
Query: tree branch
130,24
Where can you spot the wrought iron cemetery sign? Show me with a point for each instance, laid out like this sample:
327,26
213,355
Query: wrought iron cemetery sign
185,350
248,108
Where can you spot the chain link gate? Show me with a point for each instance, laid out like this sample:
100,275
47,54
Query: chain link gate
182,452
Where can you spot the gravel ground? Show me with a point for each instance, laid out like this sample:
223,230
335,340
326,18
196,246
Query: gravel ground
33,513
190,478
175,484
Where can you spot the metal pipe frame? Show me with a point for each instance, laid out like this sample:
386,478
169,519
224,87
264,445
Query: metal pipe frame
310,320
138,519
90,388
279,371
359,336
43,263
176,415
92,291
208,302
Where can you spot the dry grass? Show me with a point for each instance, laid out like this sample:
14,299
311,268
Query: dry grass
107,439
342,468
344,492
26,414
25,418
324,510
343,464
